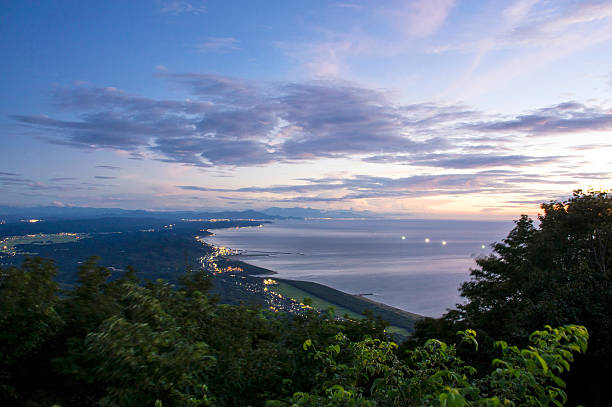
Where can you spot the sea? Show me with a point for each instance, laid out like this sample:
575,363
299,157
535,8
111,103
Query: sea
414,265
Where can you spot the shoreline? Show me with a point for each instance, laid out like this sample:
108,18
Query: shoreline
401,321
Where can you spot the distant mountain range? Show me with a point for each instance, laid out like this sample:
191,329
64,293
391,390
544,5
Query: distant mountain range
317,213
12,214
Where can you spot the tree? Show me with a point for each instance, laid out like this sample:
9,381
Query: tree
29,319
368,373
559,272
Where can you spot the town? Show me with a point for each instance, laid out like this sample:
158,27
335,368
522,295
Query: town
216,263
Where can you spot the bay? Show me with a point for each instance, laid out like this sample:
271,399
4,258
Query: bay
414,265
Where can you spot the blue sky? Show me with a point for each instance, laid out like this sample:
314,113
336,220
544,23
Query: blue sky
435,108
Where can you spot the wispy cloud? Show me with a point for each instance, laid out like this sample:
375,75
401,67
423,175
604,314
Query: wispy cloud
564,118
368,187
345,5
420,18
463,161
177,7
108,167
538,33
541,30
219,44
62,179
27,184
330,53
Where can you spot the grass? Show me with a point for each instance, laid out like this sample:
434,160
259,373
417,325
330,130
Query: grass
289,290
7,245
319,304
356,304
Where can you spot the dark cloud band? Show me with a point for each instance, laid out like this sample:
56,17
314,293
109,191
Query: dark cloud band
235,122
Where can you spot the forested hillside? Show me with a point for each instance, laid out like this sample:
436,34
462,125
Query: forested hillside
124,342
120,343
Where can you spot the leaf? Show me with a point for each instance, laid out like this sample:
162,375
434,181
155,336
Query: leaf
542,362
558,381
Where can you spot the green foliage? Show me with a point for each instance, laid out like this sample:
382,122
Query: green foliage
530,371
369,373
151,350
124,343
28,318
557,273
121,342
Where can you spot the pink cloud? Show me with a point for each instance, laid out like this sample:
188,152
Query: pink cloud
421,18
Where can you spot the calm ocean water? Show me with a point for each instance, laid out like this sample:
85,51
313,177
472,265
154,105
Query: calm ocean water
389,259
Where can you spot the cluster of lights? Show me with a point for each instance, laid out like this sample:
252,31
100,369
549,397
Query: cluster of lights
270,281
444,242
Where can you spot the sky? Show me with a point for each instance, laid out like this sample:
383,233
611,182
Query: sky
414,108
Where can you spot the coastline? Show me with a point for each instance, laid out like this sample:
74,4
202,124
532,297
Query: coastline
419,274
401,322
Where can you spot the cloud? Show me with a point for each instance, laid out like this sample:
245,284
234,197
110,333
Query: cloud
330,53
103,177
59,185
241,123
211,151
590,175
537,24
108,129
12,182
533,34
352,6
219,44
112,99
463,161
546,28
221,90
231,122
108,167
193,188
564,118
338,119
11,179
178,7
421,18
373,187
518,10
323,58
8,174
62,179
